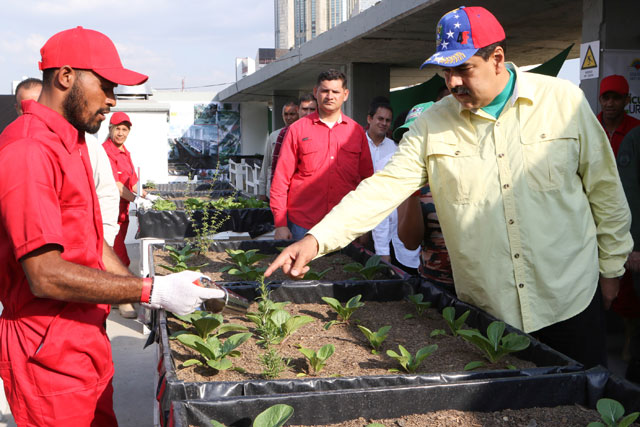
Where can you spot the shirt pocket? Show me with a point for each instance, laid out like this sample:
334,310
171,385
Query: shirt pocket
545,156
308,160
453,172
349,160
76,218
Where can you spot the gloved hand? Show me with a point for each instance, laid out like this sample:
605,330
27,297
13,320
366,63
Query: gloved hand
142,203
152,197
178,294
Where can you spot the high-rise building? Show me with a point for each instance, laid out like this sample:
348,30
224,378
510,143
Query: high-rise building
297,21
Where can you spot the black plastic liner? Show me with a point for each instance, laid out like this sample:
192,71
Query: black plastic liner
214,194
190,187
171,389
321,408
178,225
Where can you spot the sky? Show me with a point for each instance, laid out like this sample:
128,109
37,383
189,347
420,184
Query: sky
197,40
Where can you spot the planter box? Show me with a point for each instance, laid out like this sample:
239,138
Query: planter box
439,393
171,389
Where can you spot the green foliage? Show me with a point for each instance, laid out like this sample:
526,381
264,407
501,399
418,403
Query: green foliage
408,361
150,185
163,205
207,324
449,315
275,416
211,221
375,338
344,312
244,261
316,275
367,271
215,352
195,204
180,258
233,202
273,363
495,346
437,332
612,414
317,359
420,306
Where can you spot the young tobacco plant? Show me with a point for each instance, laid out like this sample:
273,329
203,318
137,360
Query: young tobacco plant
274,416
163,205
375,338
612,414
207,324
367,271
316,275
244,261
317,359
345,312
407,360
494,346
180,258
455,325
420,306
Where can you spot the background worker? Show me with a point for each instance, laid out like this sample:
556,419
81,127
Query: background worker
324,156
27,89
614,98
58,276
536,222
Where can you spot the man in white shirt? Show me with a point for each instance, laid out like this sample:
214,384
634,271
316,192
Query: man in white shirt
379,120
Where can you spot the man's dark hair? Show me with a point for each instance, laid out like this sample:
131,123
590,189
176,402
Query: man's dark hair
289,104
485,52
306,98
27,84
332,74
373,107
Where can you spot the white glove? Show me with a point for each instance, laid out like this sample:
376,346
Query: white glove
152,197
178,294
142,203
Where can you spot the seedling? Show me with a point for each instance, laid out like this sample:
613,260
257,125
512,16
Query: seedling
345,312
273,363
375,338
317,359
213,350
195,204
612,412
316,275
367,271
180,258
163,205
207,324
449,315
420,306
244,261
409,362
274,416
494,346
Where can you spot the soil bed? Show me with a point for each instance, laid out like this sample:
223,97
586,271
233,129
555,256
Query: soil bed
217,260
353,356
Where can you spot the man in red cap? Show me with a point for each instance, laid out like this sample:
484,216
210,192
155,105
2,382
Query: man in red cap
614,97
57,275
525,185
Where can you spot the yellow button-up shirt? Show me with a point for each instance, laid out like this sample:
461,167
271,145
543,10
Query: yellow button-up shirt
530,204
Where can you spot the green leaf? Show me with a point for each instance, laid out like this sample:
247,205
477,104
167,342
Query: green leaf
628,420
307,352
191,362
374,261
596,424
295,322
473,365
437,332
278,317
275,416
494,333
408,316
220,365
329,324
206,325
234,341
215,423
229,327
610,410
425,352
326,351
190,340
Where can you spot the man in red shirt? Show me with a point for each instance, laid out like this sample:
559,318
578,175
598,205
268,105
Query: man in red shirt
58,277
324,156
614,97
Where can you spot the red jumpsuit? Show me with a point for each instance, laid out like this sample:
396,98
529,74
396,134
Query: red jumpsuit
124,172
55,356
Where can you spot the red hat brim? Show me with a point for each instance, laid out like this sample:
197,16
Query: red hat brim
121,76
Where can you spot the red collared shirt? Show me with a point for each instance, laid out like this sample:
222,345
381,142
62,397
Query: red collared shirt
123,171
628,123
317,167
47,196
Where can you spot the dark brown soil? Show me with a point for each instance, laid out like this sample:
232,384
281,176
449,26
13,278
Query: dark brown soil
353,356
217,260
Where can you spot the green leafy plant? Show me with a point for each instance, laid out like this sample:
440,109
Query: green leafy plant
163,205
150,185
316,275
195,203
494,346
274,416
215,352
180,258
207,324
244,261
317,359
273,364
612,414
367,271
375,338
455,325
409,362
420,305
437,332
344,312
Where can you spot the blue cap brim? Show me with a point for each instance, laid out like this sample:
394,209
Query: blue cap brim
451,58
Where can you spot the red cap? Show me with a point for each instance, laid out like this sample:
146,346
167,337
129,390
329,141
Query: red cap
120,117
87,50
614,83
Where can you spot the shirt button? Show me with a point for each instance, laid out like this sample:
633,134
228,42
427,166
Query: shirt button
516,256
497,124
500,155
511,221
505,186
331,157
457,153
521,285
544,135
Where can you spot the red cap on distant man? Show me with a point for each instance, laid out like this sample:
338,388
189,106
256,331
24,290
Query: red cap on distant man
88,50
120,117
614,83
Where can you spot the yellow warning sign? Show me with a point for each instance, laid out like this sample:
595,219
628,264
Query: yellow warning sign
589,60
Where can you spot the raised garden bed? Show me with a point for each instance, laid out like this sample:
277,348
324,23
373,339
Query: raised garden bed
557,399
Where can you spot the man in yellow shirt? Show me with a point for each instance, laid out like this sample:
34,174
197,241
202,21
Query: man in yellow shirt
526,189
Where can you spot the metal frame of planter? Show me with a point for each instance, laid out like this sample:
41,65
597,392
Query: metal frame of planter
488,395
170,388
